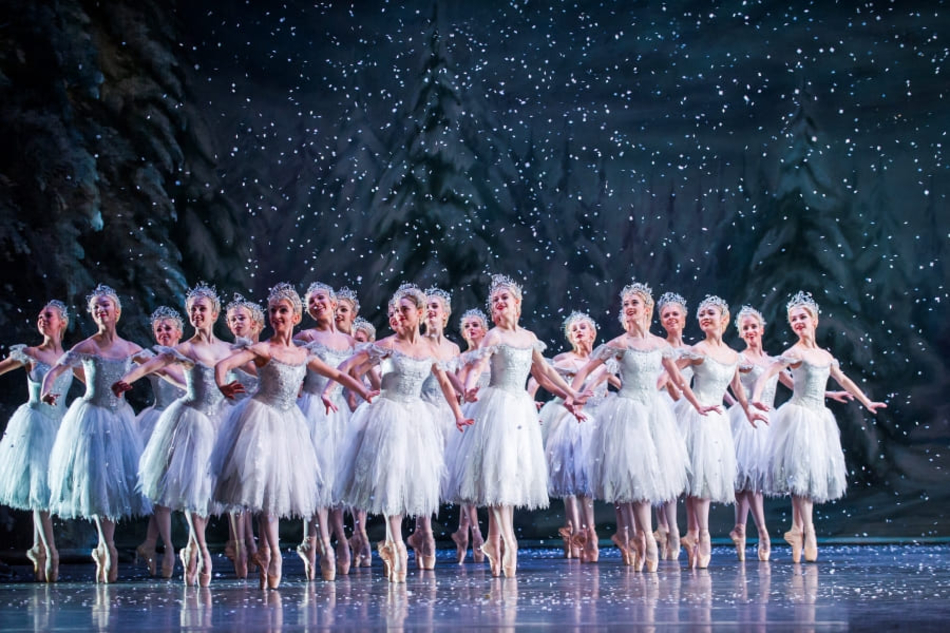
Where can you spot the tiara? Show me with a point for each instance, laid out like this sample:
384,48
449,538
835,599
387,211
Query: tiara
499,281
345,294
410,290
474,313
285,291
359,323
204,291
103,290
803,299
577,315
59,305
164,312
671,297
713,300
748,311
317,285
257,315
641,289
445,296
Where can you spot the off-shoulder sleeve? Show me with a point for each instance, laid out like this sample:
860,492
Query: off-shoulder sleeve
668,351
241,343
72,358
688,354
539,346
374,351
788,359
745,364
18,353
607,352
473,356
449,364
835,363
146,354
177,356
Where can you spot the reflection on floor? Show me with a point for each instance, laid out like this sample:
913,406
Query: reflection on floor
851,587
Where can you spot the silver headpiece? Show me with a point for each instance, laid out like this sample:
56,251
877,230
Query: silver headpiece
474,313
498,282
162,313
577,315
204,291
713,300
443,295
103,290
745,311
315,286
285,291
257,314
59,305
410,291
345,294
670,297
803,299
361,324
641,289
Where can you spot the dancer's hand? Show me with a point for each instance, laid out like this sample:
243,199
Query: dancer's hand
706,410
328,403
839,396
761,406
119,387
461,423
471,395
51,399
232,389
874,406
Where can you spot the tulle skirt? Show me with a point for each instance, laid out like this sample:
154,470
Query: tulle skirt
710,452
265,462
753,452
807,459
567,449
328,432
394,464
24,459
94,464
175,469
499,460
145,422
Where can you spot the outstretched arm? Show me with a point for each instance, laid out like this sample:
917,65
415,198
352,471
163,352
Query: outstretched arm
153,365
854,390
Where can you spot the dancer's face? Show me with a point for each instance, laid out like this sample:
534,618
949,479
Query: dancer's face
711,320
393,321
634,308
361,336
408,315
344,316
802,322
751,330
581,332
320,306
104,310
673,318
435,313
241,323
282,316
473,331
166,332
201,313
505,303
50,322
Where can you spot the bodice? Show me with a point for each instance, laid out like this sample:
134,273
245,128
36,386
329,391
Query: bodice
639,371
100,374
163,392
711,379
749,378
279,384
248,381
402,376
202,391
315,383
810,383
34,382
510,367
431,390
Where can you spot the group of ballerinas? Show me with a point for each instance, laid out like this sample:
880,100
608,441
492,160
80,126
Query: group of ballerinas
265,429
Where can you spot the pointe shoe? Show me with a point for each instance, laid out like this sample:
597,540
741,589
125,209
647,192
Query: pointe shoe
567,535
509,560
52,567
274,570
794,538
579,546
640,550
672,549
402,563
704,553
811,545
204,576
490,550
387,552
168,563
240,560
652,555
460,538
343,558
427,553
230,549
307,551
691,545
618,540
328,563
37,556
661,536
147,554
738,539
366,551
98,556
189,563
592,549
765,547
112,564
361,551
477,541
415,542
261,558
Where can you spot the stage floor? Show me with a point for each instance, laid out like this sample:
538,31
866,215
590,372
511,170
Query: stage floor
851,587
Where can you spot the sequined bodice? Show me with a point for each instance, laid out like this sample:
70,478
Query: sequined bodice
402,376
639,371
280,384
163,392
510,367
203,393
710,380
34,383
249,381
810,383
748,379
315,383
431,390
100,374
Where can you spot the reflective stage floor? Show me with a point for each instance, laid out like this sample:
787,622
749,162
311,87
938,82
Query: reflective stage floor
851,587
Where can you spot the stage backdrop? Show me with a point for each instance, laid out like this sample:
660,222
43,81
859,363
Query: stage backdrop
745,149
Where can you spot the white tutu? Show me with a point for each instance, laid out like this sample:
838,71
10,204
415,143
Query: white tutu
753,452
328,432
164,393
567,449
94,460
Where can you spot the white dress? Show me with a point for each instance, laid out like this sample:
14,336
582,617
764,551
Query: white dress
28,439
637,452
499,460
753,444
94,462
454,437
394,463
175,469
709,447
264,457
163,393
567,444
328,431
807,459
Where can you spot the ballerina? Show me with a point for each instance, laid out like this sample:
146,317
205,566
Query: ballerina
174,471
500,459
807,460
29,436
712,459
327,431
347,309
474,327
385,474
363,332
94,460
637,457
672,309
167,329
265,460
